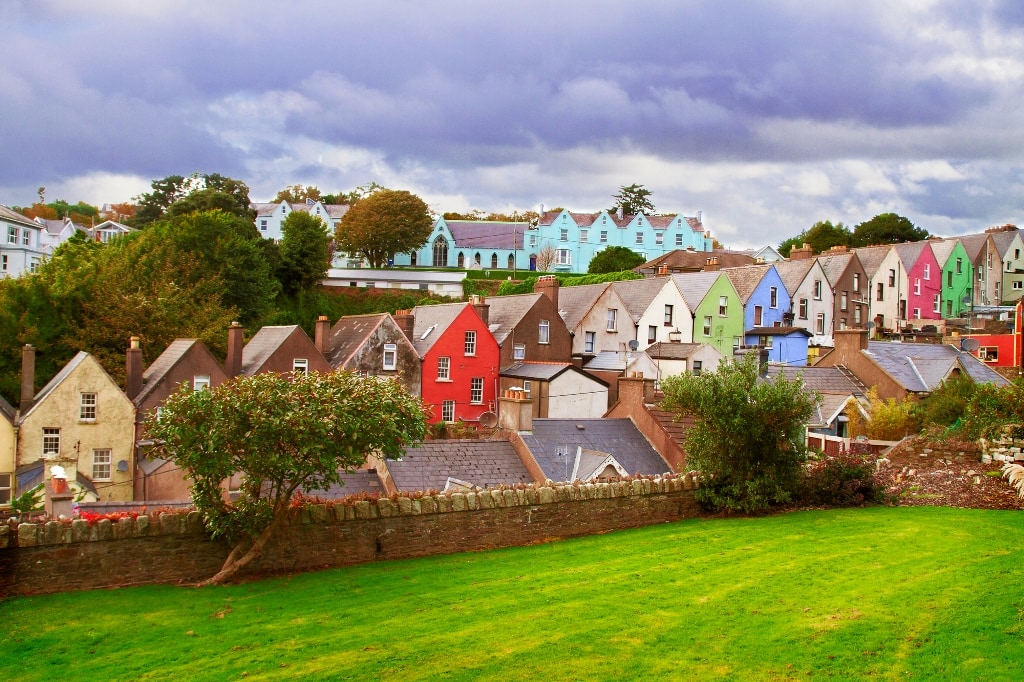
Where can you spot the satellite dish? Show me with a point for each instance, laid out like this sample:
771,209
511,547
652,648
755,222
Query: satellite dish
633,344
870,325
969,345
966,300
488,420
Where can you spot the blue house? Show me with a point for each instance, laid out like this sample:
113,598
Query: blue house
785,345
766,301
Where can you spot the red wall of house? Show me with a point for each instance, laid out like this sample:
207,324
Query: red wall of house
463,368
929,287
1004,343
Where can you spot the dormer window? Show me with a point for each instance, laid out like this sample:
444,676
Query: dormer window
300,366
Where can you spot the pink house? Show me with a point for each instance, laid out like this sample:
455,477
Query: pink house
924,293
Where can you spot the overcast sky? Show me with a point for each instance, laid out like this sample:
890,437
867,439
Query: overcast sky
766,116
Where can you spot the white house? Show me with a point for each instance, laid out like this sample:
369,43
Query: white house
20,248
270,216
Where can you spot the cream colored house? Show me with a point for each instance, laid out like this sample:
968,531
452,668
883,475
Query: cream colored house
7,461
82,421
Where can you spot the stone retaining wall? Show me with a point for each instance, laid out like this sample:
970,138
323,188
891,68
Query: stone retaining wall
172,547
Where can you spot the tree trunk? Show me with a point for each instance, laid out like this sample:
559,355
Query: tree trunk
242,554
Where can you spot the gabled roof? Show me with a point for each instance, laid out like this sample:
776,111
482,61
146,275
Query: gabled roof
1003,240
974,244
6,409
56,381
824,380
581,219
264,344
349,334
545,371
506,312
166,361
637,294
333,210
663,350
685,260
909,253
486,234
13,216
871,257
591,464
431,322
778,331
793,272
942,249
746,279
618,437
835,265
575,302
482,463
921,367
694,286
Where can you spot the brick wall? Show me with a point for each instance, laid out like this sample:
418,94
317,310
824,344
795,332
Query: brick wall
172,547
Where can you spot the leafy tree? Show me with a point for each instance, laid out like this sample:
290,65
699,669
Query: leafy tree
889,419
614,259
281,436
297,194
887,228
633,199
748,442
386,222
354,196
947,405
208,200
821,237
154,205
786,246
305,252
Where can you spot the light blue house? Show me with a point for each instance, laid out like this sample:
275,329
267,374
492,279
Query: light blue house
560,241
785,345
766,301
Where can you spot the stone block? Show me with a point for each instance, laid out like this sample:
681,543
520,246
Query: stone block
472,503
80,530
508,498
362,509
546,495
428,504
405,505
458,502
27,535
318,513
194,523
5,536
170,524
104,530
53,533
486,499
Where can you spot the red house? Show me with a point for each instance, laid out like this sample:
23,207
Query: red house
459,356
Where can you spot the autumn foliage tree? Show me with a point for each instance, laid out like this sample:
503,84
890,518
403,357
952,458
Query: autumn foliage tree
282,437
386,222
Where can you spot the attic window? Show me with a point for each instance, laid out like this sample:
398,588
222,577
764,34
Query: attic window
300,366
201,382
390,356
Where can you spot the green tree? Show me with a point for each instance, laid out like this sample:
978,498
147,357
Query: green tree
887,228
386,222
282,437
614,259
297,194
354,196
748,442
821,237
305,252
214,191
632,200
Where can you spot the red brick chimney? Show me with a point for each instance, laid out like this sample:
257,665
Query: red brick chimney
233,363
801,253
662,269
835,250
320,333
482,308
133,368
711,264
547,285
406,321
28,376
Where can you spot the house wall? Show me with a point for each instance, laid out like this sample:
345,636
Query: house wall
462,369
999,345
761,296
654,316
16,257
7,458
370,358
724,329
172,548
890,270
560,342
596,320
929,284
956,285
855,312
198,360
575,395
1013,271
987,274
114,429
848,353
296,346
822,305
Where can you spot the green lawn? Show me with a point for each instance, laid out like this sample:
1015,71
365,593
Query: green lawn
884,593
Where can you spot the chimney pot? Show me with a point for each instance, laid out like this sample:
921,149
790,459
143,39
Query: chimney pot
233,364
321,331
28,376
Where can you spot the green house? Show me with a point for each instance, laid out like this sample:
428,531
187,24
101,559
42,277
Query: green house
717,309
957,277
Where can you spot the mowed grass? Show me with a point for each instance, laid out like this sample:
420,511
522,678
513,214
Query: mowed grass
882,593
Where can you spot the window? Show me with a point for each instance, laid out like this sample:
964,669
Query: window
588,342
668,316
917,287
819,323
12,234
817,290
842,300
659,238
758,315
856,281
723,306
652,334
494,261
26,237
3,263
5,488
879,296
33,265
101,465
697,366
263,225
765,342
737,341
476,390
927,270
563,257
448,411
604,236
583,237
917,313
443,365
51,441
773,297
707,325
544,332
989,353
613,316
519,351
1016,253
564,235
470,345
390,356
526,388
936,303
1017,285
949,308
87,407
639,237
679,242
802,311
856,314
300,366
892,278
533,240
201,382
959,265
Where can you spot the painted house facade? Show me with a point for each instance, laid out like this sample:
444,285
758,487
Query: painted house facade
21,251
848,283
1011,252
811,298
557,389
957,277
766,302
717,311
528,327
374,345
596,316
655,308
270,216
8,459
981,250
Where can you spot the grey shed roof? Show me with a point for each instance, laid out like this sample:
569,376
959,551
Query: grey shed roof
611,360
506,312
618,437
348,334
694,286
575,302
637,294
14,217
541,371
746,279
430,323
831,380
921,367
482,463
363,481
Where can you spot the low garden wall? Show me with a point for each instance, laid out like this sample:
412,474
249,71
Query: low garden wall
172,547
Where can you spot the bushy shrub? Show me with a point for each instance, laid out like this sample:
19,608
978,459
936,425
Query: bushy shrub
843,480
891,419
947,405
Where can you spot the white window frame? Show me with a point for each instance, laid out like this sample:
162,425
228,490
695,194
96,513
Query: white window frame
564,235
927,271
843,297
12,234
563,257
102,464
669,311
476,391
527,387
707,325
448,411
937,303
652,334
87,403
773,297
819,323
613,320
544,332
802,309
444,365
584,237
390,356
589,339
659,238
300,366
679,240
519,351
51,440
201,382
856,281
817,290
469,345
917,287
723,306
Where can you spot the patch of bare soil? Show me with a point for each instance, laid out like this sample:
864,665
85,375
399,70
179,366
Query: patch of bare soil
914,478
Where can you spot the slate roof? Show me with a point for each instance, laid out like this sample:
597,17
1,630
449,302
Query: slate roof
506,312
482,463
694,286
486,234
871,257
349,334
430,323
13,216
31,475
73,363
333,210
265,342
544,371
777,331
830,380
942,250
637,294
921,367
974,244
793,272
164,363
746,279
610,360
685,260
1003,240
575,302
6,409
663,350
835,265
909,253
618,437
363,481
